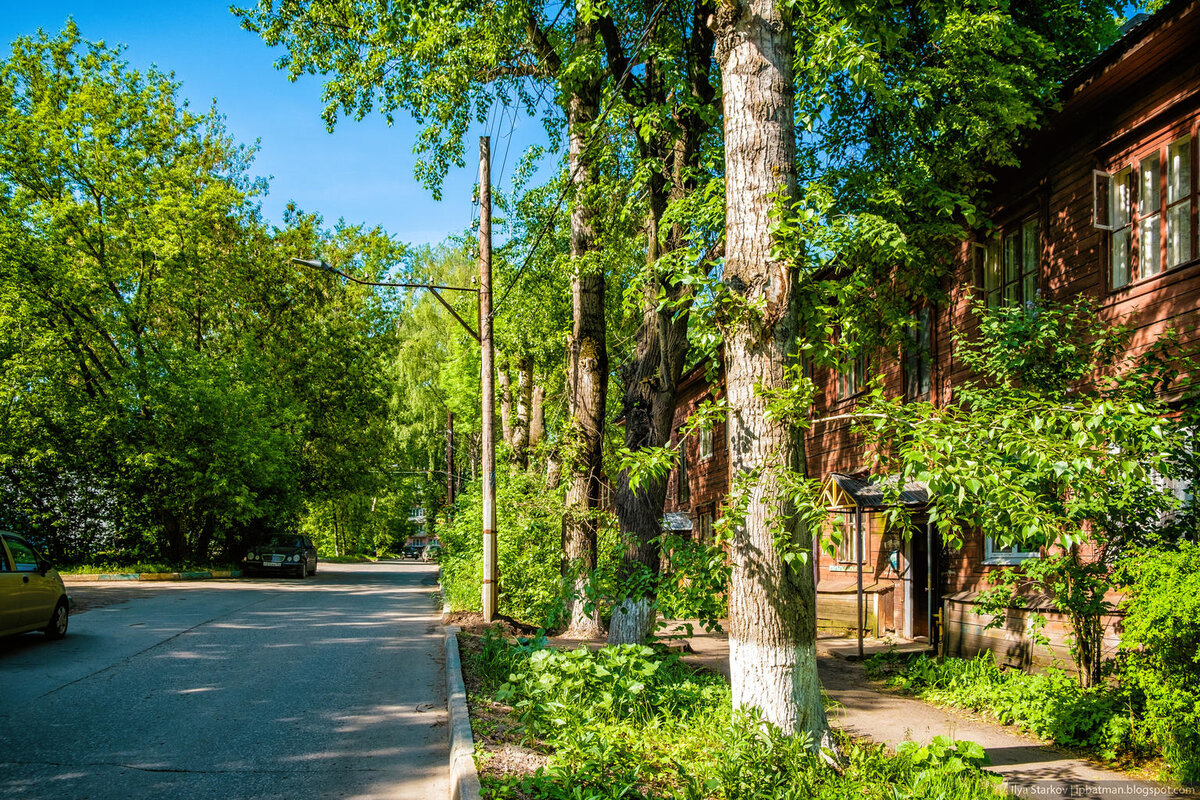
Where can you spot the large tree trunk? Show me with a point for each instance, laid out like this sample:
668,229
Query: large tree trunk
652,377
588,370
772,606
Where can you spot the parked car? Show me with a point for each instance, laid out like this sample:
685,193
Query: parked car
281,553
431,552
413,551
32,595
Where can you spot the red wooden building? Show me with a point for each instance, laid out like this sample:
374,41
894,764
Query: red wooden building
1104,204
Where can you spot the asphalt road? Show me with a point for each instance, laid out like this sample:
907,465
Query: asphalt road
327,687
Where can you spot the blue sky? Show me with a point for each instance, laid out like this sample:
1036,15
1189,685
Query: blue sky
362,172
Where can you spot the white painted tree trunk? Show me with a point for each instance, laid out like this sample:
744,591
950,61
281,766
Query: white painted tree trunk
772,619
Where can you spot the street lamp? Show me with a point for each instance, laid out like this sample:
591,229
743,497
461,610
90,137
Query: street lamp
487,375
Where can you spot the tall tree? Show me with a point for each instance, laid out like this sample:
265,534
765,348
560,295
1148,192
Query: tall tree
447,68
904,113
673,121
772,605
158,349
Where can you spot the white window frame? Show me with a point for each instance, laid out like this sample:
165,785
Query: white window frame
704,444
1159,217
994,556
847,550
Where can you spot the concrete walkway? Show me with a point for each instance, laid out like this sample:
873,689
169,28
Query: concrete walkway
1030,767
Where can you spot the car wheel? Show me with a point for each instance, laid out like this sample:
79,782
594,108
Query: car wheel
56,628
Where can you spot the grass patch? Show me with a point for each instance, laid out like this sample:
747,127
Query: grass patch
354,559
636,723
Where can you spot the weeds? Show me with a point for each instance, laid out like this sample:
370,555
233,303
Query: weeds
635,723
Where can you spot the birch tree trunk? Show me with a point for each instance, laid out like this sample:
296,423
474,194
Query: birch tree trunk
588,369
772,607
504,381
537,416
520,430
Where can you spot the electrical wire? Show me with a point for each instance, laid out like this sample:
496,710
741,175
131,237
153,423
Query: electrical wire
596,128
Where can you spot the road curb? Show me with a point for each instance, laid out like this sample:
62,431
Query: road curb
464,780
153,576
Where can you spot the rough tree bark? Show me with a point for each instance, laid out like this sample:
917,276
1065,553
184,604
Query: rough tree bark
588,366
772,607
651,378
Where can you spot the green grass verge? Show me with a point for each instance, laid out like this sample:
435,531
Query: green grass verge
635,723
139,567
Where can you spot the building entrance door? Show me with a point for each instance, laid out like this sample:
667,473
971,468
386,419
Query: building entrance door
922,585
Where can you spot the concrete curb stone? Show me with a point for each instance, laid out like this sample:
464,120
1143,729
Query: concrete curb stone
464,780
153,576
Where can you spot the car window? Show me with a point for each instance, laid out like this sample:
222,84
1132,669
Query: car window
23,556
4,567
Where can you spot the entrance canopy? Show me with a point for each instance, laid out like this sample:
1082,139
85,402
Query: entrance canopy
844,493
675,521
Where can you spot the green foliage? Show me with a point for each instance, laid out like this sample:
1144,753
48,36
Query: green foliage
529,541
175,387
696,581
1105,720
630,722
623,682
1041,346
1161,643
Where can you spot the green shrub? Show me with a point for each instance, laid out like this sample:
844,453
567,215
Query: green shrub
555,689
632,722
529,542
1161,643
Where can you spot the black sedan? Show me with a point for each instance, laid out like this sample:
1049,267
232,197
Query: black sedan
281,553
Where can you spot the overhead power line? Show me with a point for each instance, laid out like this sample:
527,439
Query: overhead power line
596,128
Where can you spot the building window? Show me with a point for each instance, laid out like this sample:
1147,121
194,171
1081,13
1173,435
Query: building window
1006,266
852,376
918,356
1012,554
682,490
1180,200
847,551
705,446
704,531
1147,212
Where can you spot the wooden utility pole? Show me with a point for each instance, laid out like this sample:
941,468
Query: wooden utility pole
450,485
487,379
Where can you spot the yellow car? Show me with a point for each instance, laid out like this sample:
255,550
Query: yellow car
32,595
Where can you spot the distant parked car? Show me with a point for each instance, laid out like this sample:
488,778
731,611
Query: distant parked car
280,553
32,595
413,551
431,552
